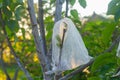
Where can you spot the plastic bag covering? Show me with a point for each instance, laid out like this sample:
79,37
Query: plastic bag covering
118,51
73,52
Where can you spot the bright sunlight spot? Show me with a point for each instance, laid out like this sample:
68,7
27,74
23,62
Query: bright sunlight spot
97,6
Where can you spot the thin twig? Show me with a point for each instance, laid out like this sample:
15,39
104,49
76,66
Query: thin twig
16,74
12,50
77,70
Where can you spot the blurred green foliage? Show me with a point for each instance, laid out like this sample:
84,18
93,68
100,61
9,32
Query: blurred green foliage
98,33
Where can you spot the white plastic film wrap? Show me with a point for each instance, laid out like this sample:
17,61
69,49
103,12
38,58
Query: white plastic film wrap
118,51
73,52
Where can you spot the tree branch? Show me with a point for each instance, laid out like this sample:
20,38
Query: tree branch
66,13
81,68
58,11
41,24
38,41
12,50
113,44
16,74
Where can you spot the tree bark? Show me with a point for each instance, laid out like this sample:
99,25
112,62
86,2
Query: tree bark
38,41
58,10
41,24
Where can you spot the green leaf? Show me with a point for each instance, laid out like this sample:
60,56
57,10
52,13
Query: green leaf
59,41
52,1
102,60
82,3
118,61
23,32
94,78
1,5
20,1
19,12
113,7
72,2
7,12
1,1
107,32
74,13
15,38
7,2
13,25
117,15
49,35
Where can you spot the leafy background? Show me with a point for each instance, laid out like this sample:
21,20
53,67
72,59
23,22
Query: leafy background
98,33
